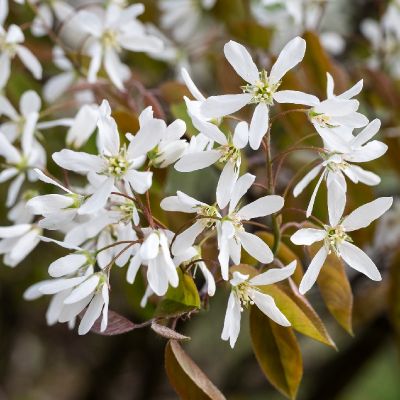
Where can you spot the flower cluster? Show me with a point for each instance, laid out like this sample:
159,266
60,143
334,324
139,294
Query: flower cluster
101,210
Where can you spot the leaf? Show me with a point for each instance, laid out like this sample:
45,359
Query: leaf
299,312
336,290
168,333
187,379
277,352
284,254
182,299
117,324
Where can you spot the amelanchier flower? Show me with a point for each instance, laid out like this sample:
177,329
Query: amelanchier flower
337,165
228,153
261,89
154,252
111,31
57,209
246,291
333,118
232,235
11,46
19,164
17,242
336,239
115,164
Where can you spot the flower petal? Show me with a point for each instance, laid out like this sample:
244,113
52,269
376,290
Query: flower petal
313,269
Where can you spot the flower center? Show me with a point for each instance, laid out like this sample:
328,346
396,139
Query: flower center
7,47
117,166
335,236
208,211
110,39
243,291
263,90
230,153
127,209
322,120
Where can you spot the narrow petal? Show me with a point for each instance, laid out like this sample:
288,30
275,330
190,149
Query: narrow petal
191,85
267,305
241,135
220,106
367,213
186,239
274,275
91,315
289,57
337,188
307,236
295,97
231,327
78,161
298,189
258,125
30,61
358,260
195,161
226,183
261,207
367,133
313,269
241,61
241,187
150,247
98,199
66,265
84,289
256,247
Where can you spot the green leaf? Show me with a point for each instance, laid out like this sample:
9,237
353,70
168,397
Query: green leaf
277,352
299,312
188,380
182,299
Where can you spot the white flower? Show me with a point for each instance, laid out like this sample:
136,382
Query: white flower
183,18
57,209
245,292
262,88
228,153
231,232
115,164
333,118
171,146
338,164
154,252
18,241
111,31
19,164
10,46
26,122
335,238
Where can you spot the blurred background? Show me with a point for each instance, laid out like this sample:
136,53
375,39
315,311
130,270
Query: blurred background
353,40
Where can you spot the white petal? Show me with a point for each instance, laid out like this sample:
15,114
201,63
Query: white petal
313,196
191,86
133,268
241,61
258,125
261,207
220,106
226,183
241,187
353,91
57,285
367,133
30,103
256,247
140,181
209,278
367,213
78,161
274,275
313,269
57,85
91,315
288,58
308,236
66,265
358,174
45,178
49,203
241,135
112,65
267,305
370,151
83,290
55,307
186,239
30,61
306,180
99,198
296,97
231,328
337,188
199,160
358,260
